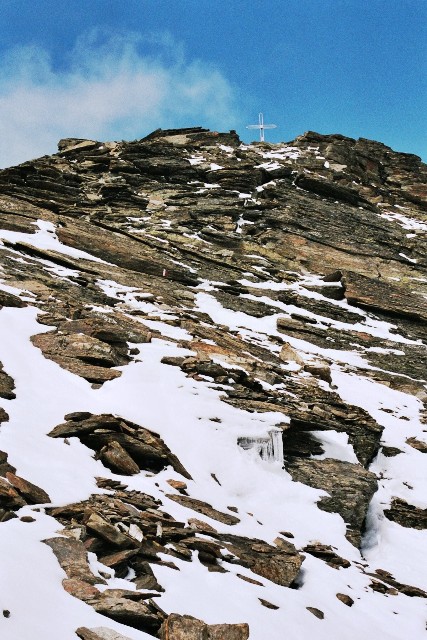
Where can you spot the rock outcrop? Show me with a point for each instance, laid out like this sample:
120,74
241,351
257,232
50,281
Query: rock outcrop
203,293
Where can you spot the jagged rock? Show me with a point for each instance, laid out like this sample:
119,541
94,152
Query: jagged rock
325,411
145,577
80,589
99,633
331,190
177,627
383,296
108,532
316,612
201,526
115,331
72,556
289,354
350,486
4,417
4,465
139,447
10,300
118,558
81,354
319,370
244,305
280,564
114,456
267,604
325,553
7,385
29,491
388,584
345,599
9,497
417,444
204,508
129,607
321,307
390,452
177,484
407,515
324,225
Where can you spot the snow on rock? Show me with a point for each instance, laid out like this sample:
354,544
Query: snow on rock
212,407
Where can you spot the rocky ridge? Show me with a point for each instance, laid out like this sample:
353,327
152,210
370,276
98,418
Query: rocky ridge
193,290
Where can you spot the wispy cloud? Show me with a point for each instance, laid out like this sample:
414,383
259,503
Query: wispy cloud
110,87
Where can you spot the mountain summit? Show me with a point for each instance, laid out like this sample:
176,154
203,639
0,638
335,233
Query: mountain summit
212,390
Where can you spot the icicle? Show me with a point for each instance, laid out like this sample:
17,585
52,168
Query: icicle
269,447
276,445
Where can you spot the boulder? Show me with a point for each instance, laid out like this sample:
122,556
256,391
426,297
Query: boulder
417,444
4,465
81,354
10,300
280,563
107,531
9,497
178,627
31,492
114,456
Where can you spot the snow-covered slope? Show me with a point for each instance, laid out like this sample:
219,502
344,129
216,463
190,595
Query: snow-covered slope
212,389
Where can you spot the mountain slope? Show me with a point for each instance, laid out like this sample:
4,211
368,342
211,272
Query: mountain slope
212,388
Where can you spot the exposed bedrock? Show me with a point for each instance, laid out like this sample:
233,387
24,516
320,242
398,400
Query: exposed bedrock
350,489
263,272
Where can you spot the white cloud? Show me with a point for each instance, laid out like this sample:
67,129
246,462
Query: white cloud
120,87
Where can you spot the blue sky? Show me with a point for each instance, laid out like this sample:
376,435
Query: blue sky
117,69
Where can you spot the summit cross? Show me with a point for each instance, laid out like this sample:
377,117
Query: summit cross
261,126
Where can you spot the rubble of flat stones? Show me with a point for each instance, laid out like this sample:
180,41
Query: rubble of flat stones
122,446
190,210
128,531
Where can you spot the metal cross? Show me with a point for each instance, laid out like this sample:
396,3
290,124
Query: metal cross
261,126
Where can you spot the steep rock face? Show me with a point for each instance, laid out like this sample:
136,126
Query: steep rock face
193,292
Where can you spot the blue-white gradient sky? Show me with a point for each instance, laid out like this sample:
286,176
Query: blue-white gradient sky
118,69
